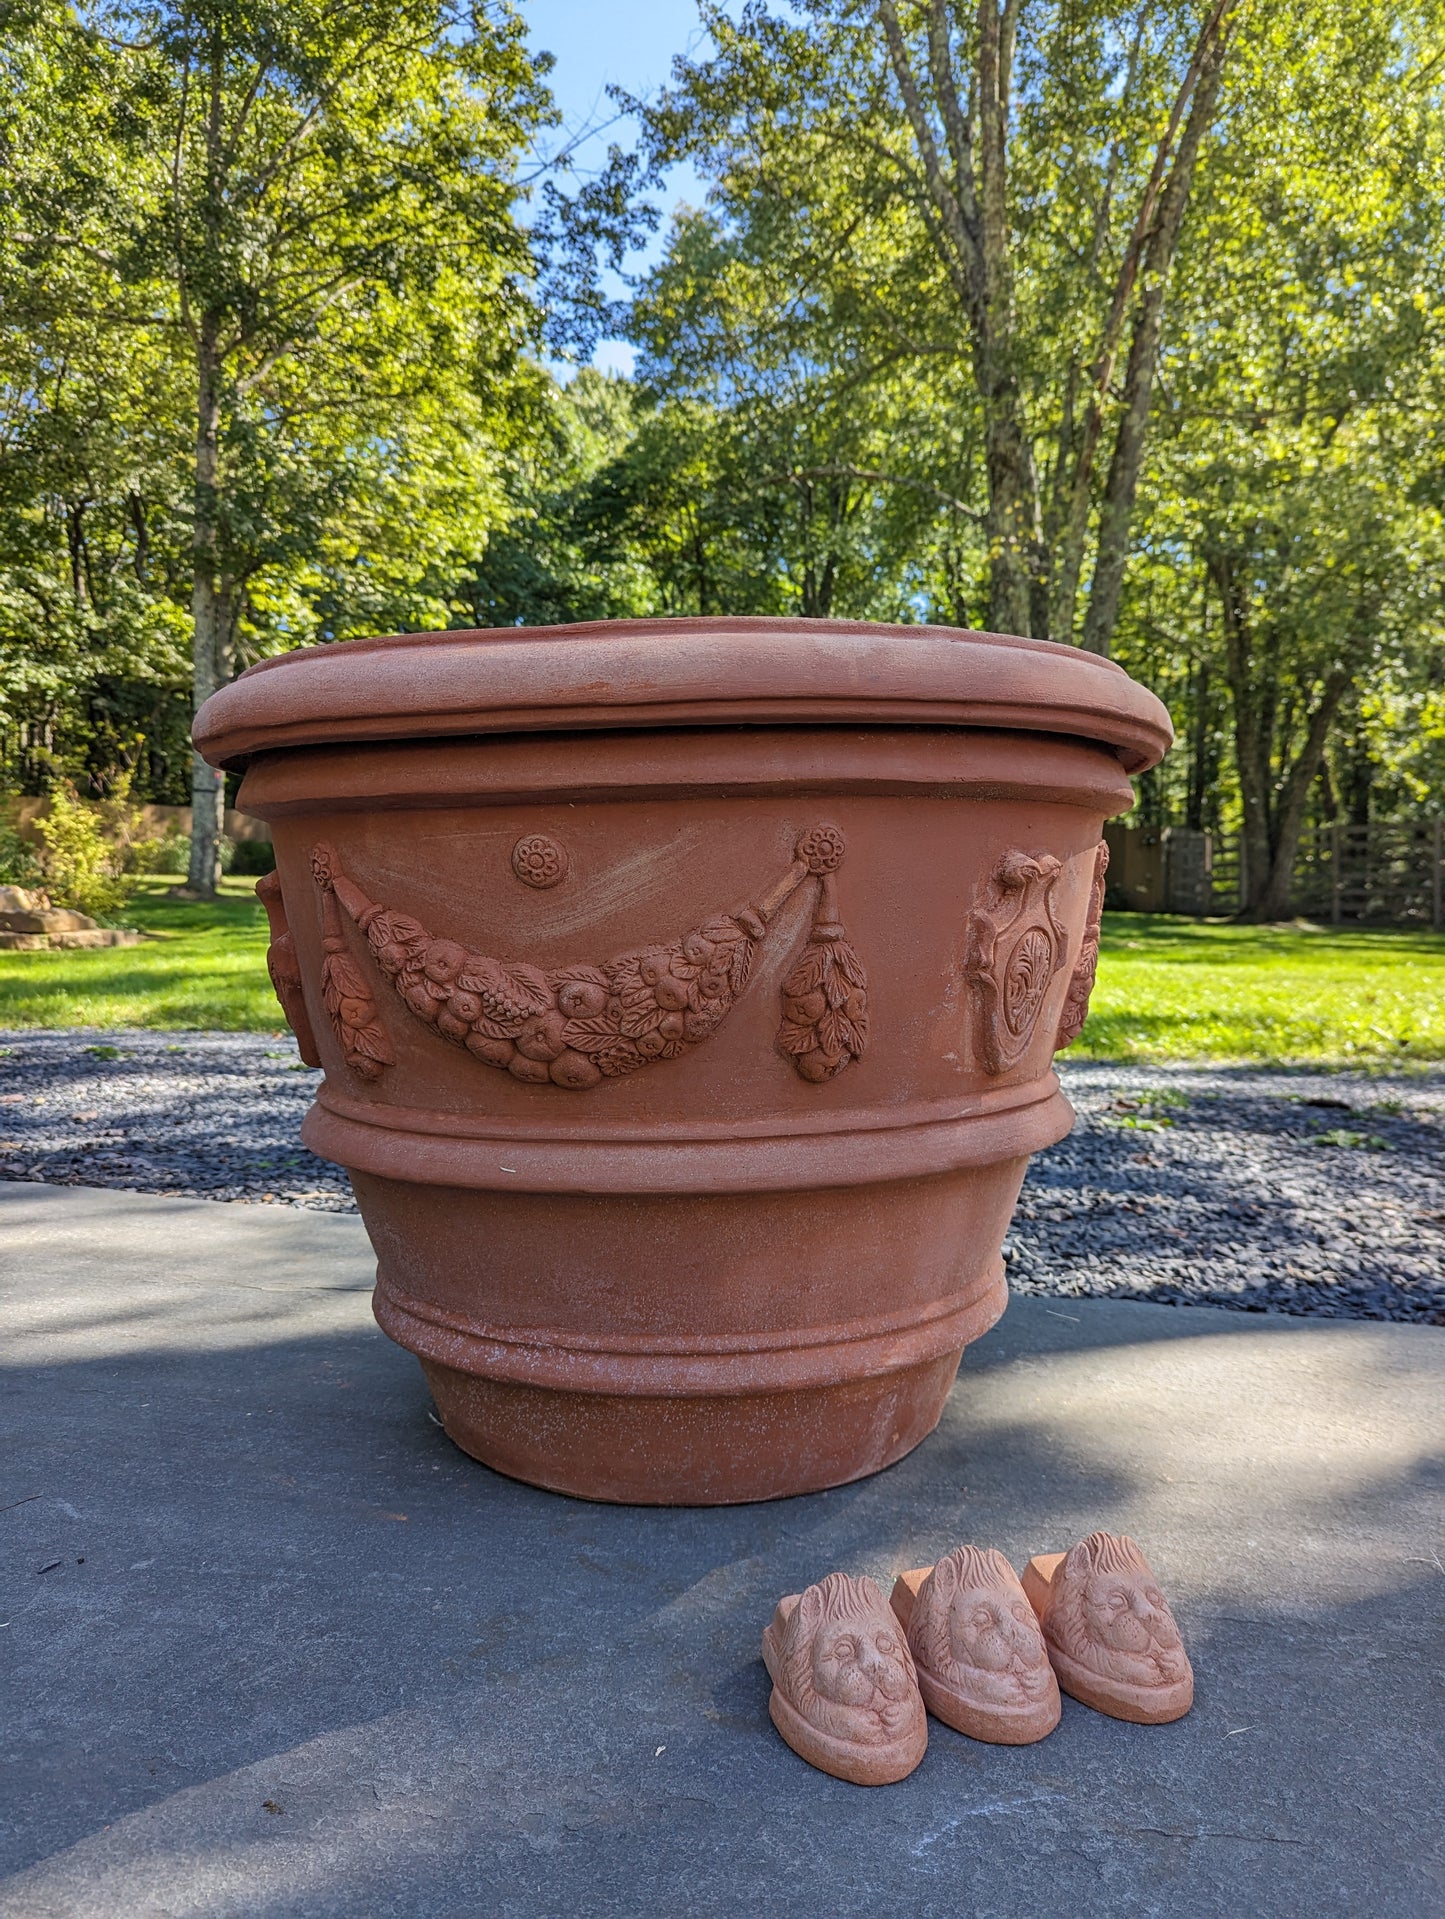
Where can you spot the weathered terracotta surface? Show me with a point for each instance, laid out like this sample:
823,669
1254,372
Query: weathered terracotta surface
285,969
686,992
1110,1634
845,1694
982,1664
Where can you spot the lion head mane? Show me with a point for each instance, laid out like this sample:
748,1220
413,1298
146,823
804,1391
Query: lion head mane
965,1569
1159,1656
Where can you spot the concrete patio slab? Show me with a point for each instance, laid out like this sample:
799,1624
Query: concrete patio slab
272,1647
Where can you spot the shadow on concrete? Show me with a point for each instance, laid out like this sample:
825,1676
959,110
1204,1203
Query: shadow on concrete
316,1662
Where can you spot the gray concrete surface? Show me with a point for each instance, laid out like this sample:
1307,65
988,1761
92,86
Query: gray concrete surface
294,1655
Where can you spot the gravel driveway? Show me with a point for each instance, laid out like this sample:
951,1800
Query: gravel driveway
1265,1190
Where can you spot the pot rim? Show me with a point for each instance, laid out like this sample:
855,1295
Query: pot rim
620,674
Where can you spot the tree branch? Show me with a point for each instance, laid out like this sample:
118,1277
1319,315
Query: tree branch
962,251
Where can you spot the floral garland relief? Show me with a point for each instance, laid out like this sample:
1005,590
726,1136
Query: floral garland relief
574,1026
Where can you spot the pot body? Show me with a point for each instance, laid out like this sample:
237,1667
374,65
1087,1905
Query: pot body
745,1262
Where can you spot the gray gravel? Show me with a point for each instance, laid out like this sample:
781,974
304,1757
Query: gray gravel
1267,1190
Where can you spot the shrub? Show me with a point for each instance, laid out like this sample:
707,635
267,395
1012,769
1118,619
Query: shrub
250,858
167,852
83,862
19,861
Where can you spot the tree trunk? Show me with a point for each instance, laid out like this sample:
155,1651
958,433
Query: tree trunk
1014,529
1011,497
1200,758
1270,896
208,784
1251,736
1122,485
1273,806
968,220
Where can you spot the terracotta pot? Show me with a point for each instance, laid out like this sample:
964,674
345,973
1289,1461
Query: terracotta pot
687,992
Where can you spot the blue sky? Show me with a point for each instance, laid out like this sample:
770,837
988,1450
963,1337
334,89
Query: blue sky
630,43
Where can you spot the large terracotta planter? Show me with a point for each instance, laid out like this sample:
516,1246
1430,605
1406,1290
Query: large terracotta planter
687,992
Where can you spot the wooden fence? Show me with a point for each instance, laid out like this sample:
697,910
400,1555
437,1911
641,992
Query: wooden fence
1389,873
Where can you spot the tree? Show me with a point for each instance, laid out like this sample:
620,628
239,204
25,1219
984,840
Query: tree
1004,188
1292,480
312,204
832,471
545,566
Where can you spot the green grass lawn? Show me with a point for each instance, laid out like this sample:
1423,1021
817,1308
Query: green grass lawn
202,966
1186,989
1167,989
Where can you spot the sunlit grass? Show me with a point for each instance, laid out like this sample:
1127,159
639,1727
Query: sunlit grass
203,966
1168,989
1181,989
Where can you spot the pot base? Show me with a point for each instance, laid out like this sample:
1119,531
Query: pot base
691,1349
703,1450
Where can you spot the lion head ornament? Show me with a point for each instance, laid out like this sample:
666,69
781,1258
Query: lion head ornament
1111,1636
982,1664
845,1693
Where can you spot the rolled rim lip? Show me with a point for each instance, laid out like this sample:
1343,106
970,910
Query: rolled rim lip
628,674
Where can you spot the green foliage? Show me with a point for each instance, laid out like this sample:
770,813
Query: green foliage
83,863
556,559
248,858
1346,1136
19,861
1285,598
263,326
269,317
1283,594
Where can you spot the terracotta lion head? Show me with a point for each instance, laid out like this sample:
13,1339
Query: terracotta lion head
845,1667
975,1630
1110,1615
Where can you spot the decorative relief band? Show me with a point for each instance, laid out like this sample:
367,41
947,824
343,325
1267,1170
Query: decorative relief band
347,995
285,969
1016,944
574,1026
1081,985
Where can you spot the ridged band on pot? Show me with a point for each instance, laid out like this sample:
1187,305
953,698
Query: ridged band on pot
840,1149
687,1070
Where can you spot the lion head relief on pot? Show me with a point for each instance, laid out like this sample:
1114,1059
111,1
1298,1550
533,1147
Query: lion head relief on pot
1016,944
